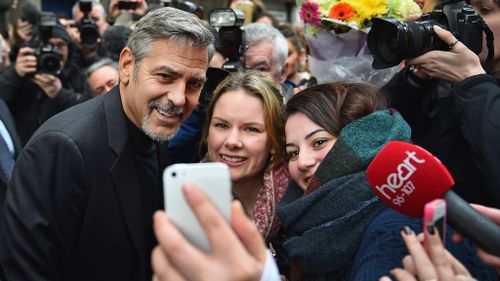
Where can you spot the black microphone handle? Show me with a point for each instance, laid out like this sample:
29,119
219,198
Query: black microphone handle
472,224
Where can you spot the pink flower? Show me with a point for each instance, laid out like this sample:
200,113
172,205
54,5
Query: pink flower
309,13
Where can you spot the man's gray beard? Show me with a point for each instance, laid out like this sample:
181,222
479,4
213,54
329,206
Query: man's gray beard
155,136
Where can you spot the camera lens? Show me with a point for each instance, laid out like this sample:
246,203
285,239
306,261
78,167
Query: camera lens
387,41
174,174
49,60
390,41
49,63
89,34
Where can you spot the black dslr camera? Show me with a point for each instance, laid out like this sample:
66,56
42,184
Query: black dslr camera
391,41
186,6
48,56
89,33
229,22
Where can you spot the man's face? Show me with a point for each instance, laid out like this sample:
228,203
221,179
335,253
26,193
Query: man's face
62,46
260,57
102,80
164,89
293,58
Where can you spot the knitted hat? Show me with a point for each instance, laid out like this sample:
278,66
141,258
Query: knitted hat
58,31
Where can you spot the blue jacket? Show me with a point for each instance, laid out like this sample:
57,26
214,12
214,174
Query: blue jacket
382,249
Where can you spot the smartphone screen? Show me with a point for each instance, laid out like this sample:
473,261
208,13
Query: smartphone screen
214,179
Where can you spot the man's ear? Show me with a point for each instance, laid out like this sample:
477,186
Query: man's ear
126,64
284,72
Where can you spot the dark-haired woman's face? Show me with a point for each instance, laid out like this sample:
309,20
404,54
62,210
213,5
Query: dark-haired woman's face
306,146
490,12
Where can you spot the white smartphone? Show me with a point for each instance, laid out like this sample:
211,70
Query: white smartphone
215,181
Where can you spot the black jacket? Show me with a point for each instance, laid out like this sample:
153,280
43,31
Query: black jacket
30,106
460,125
8,121
74,209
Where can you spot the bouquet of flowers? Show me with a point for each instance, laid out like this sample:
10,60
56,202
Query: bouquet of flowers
336,33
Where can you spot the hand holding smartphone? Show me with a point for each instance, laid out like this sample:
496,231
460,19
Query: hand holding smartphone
213,179
435,217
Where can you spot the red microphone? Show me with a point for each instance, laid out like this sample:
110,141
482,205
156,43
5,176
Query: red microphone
406,177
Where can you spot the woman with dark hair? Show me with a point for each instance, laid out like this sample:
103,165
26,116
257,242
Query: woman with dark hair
333,131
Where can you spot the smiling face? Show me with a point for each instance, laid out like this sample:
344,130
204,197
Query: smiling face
162,91
306,146
237,136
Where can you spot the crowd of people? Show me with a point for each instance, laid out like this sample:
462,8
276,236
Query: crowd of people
84,140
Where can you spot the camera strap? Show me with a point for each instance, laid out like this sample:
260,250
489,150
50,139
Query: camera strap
489,44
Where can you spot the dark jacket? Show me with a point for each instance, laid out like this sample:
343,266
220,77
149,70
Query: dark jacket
8,121
74,208
383,249
30,106
459,125
326,226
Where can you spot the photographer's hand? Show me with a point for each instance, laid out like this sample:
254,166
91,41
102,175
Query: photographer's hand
25,62
453,66
141,8
72,30
50,84
24,30
113,12
494,215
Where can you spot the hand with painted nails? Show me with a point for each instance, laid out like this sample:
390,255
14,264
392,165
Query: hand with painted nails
453,66
238,251
434,264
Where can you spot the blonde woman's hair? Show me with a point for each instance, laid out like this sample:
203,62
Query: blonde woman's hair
264,87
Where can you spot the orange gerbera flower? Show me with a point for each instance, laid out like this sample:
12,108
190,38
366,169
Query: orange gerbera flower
341,11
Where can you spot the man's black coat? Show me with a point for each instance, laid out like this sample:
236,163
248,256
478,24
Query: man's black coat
74,210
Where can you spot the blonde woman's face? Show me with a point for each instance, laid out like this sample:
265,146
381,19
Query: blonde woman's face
237,135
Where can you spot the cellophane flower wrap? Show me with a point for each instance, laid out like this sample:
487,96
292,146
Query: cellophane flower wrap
336,32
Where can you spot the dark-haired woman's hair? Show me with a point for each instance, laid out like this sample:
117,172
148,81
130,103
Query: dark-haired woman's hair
332,106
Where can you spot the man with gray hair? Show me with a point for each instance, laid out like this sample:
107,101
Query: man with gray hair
102,76
84,190
267,50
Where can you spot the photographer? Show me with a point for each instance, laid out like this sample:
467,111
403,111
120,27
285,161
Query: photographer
452,106
86,30
136,8
32,94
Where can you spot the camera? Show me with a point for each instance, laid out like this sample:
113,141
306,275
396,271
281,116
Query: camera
48,56
186,6
89,32
390,41
127,5
229,22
